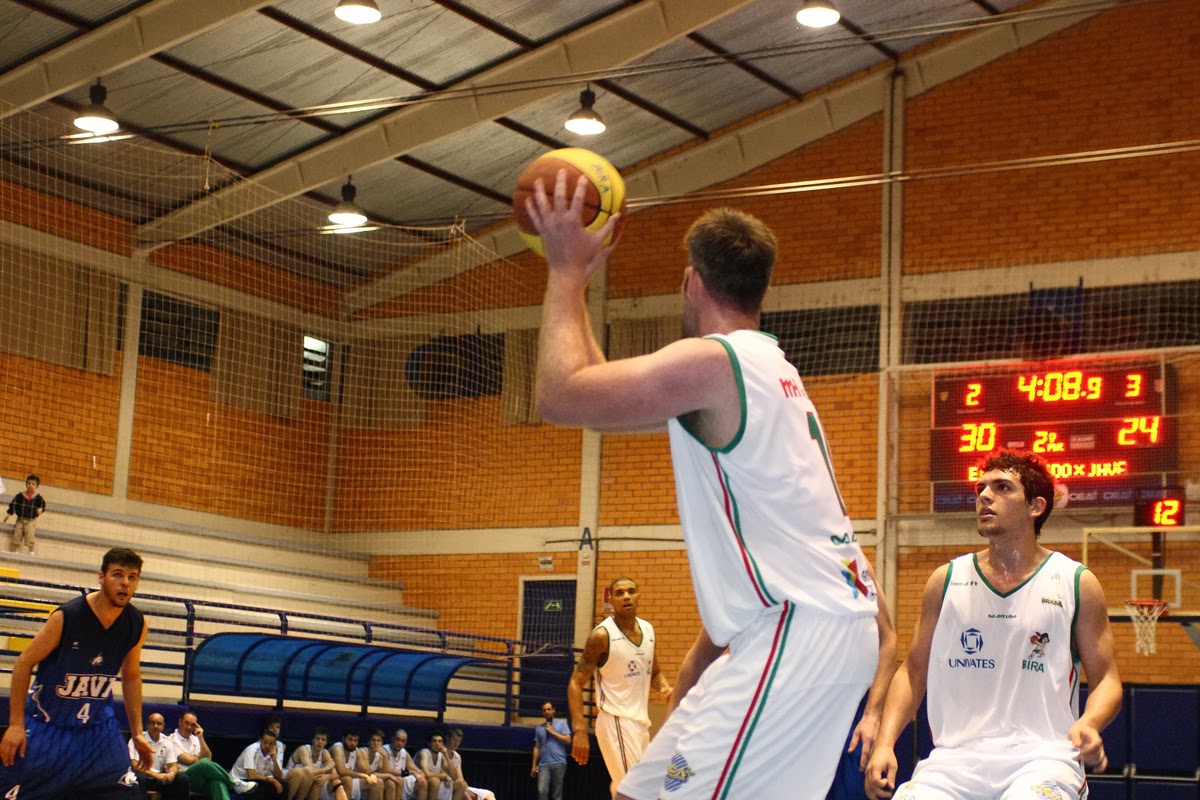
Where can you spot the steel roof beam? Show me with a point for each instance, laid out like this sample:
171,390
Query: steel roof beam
871,39
142,32
612,41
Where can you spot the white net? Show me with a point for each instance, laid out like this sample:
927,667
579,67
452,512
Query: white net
1144,614
366,381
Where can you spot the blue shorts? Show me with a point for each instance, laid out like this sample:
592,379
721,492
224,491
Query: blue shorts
86,762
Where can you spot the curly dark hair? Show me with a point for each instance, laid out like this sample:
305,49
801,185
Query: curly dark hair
1034,474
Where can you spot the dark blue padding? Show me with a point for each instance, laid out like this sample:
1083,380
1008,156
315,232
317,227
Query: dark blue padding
1107,788
1165,730
1150,789
293,668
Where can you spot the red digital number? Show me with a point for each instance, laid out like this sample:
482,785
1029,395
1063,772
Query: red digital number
978,437
1166,512
1135,426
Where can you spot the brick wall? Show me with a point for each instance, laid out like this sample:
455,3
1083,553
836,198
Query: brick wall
822,235
475,592
460,469
191,452
1122,78
37,395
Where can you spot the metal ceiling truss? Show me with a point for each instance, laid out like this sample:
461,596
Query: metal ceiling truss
609,42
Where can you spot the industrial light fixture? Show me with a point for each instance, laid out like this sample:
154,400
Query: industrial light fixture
585,121
96,118
347,213
817,14
359,12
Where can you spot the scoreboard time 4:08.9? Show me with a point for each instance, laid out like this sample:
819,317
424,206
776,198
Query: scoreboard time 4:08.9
1104,431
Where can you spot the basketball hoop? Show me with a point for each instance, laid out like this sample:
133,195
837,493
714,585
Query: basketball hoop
1144,614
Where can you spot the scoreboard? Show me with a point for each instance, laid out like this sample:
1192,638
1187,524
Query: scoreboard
1105,431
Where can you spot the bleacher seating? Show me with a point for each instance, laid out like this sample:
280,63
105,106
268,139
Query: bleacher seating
216,566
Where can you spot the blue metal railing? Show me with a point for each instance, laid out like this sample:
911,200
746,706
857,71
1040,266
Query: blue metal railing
178,626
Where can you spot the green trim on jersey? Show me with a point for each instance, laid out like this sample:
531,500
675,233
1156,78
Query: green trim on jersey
1075,616
997,592
946,583
741,387
736,521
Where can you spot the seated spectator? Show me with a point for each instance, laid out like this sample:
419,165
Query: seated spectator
195,759
274,724
377,759
163,776
258,764
403,780
442,784
452,745
313,767
352,769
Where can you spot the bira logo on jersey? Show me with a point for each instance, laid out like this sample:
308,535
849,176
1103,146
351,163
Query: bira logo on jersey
678,773
95,687
972,643
857,578
1033,663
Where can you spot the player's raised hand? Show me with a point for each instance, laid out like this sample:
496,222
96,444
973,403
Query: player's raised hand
555,212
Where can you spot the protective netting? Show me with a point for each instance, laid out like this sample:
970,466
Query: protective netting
284,371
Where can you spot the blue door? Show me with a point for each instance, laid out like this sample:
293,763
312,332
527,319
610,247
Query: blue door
548,628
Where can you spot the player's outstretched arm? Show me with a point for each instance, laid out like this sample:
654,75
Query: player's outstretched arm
593,651
42,645
905,692
867,729
131,693
1094,643
574,385
702,653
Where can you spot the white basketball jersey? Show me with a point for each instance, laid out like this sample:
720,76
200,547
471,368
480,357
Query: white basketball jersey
762,517
397,760
1002,667
623,680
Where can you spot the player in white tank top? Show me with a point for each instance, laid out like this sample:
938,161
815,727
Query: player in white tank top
998,646
777,574
620,654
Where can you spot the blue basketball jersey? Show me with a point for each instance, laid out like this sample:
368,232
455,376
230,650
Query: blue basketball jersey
74,684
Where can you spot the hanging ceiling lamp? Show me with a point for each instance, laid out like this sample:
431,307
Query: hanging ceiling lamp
359,12
817,14
347,213
586,121
96,118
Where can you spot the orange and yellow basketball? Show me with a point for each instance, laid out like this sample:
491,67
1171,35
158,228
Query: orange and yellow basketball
605,193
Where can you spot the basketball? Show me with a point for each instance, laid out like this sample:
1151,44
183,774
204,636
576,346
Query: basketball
605,192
